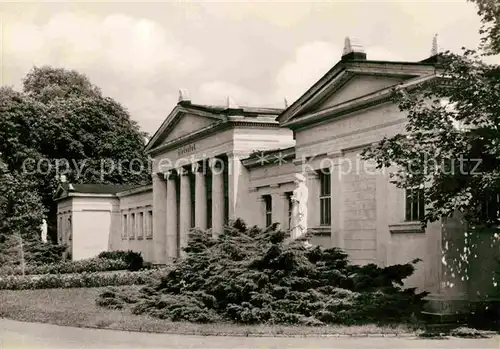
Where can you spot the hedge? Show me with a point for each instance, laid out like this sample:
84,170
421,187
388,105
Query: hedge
31,282
69,267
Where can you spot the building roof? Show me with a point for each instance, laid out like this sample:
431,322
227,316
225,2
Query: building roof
65,189
246,110
221,116
98,188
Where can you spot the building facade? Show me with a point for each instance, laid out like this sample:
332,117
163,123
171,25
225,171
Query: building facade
212,164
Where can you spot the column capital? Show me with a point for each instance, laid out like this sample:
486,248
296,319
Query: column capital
181,171
196,167
215,163
170,174
311,174
158,175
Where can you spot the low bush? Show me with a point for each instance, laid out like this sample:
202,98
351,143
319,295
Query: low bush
251,276
34,252
32,282
85,265
133,259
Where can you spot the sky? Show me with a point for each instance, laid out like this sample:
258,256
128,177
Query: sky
142,53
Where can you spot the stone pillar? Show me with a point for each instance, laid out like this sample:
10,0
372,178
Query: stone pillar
336,206
217,167
171,217
262,212
200,201
159,218
235,177
313,216
280,209
185,210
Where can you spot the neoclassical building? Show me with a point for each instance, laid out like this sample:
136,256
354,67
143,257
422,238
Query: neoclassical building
212,164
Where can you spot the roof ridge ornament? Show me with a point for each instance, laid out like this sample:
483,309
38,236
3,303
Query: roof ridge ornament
352,45
353,50
230,103
184,96
434,50
286,102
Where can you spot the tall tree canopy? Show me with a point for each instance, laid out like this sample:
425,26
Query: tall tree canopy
60,123
451,147
489,10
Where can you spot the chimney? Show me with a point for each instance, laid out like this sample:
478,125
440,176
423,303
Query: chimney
353,50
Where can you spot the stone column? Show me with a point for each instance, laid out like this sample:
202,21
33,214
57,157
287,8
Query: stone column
185,210
159,218
280,209
313,216
200,209
262,211
217,167
235,178
171,217
336,206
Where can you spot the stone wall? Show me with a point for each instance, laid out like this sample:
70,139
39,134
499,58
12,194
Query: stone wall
142,240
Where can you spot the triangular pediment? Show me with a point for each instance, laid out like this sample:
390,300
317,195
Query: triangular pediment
181,123
357,86
186,124
352,83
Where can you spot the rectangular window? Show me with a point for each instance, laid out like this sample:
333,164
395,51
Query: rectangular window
269,209
132,227
124,227
140,226
415,206
325,198
149,225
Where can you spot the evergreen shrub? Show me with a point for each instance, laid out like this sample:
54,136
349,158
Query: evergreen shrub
251,276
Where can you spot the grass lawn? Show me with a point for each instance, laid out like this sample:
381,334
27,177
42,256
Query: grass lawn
76,307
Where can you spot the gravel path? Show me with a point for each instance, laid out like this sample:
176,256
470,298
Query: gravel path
14,334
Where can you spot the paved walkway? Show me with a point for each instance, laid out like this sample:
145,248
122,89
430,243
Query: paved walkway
14,334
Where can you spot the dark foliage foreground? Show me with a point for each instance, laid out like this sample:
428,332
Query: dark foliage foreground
252,276
133,260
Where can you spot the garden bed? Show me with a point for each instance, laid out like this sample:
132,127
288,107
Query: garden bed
77,307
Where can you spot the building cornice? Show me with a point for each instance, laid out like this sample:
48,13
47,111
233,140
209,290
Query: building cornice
92,195
209,130
135,191
286,154
355,105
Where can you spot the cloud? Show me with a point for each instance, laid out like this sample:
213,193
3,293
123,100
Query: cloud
313,60
310,63
124,44
133,60
216,92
